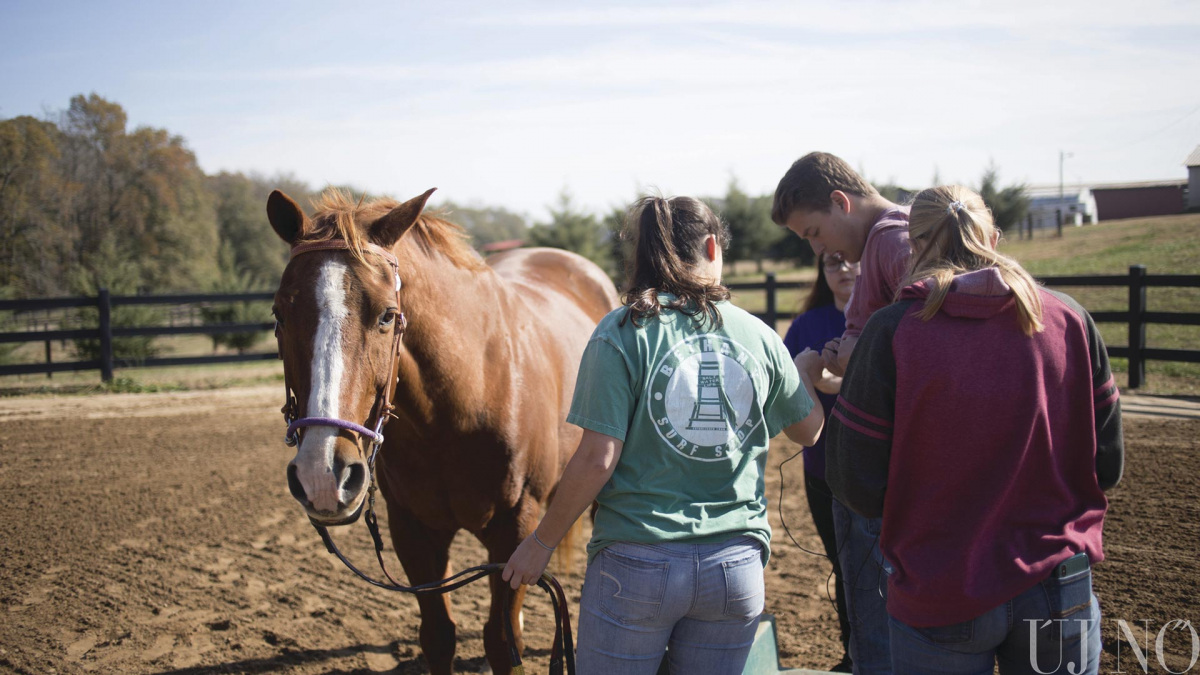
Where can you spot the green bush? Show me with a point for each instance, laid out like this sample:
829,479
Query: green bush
233,280
120,279
236,312
134,350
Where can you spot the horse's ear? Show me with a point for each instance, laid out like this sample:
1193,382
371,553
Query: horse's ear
387,230
286,217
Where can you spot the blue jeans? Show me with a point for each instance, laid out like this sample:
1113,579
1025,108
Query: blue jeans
1053,627
701,600
865,577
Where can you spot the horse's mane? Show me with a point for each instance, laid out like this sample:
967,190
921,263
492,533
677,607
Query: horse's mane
338,215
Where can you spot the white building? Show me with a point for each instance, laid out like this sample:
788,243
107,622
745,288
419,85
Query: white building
1077,204
1193,167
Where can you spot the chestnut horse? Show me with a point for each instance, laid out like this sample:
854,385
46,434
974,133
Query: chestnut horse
483,356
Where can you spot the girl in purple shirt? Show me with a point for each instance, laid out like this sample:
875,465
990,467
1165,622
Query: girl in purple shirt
821,319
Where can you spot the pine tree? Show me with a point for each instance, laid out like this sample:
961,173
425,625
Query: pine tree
575,231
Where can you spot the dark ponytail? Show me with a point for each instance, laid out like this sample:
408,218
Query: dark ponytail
669,243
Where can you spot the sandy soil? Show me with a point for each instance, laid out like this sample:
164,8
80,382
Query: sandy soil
154,534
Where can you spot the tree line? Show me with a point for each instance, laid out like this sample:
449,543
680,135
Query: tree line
87,203
754,236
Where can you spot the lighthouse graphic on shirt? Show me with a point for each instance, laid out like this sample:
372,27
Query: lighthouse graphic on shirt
702,397
712,410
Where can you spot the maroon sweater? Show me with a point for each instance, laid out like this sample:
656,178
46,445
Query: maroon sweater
985,451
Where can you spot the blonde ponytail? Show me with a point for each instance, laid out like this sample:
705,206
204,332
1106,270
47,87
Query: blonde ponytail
952,233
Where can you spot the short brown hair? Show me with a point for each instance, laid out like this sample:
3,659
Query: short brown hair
808,184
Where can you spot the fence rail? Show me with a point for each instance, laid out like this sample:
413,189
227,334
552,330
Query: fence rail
105,332
1136,317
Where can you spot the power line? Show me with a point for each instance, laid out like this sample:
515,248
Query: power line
1147,137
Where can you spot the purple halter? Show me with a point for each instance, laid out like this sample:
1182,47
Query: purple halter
333,422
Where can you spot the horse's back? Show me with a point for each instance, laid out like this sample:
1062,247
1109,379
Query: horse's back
549,272
560,296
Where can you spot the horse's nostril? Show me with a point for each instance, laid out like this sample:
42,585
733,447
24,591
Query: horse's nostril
294,485
353,478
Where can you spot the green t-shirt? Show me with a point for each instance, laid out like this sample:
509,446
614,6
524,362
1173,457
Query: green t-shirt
696,411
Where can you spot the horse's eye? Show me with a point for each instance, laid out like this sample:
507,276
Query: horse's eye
278,318
388,316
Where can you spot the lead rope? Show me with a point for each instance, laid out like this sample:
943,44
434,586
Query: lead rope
562,651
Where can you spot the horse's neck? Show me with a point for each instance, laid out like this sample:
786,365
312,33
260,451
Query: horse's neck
453,316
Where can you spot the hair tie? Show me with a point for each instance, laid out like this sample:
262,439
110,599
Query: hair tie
955,207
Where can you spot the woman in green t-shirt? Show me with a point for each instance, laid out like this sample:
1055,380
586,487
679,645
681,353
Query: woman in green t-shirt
679,393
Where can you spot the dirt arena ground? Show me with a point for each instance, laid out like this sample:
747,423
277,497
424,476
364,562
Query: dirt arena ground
153,533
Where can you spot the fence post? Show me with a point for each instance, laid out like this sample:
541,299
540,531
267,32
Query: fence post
1058,216
49,373
1029,224
106,336
772,313
1137,327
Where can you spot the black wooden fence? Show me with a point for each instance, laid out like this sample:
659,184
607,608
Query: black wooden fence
105,332
1137,316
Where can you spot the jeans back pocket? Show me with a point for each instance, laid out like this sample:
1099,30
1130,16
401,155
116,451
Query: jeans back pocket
745,593
631,589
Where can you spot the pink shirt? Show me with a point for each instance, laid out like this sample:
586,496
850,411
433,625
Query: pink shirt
884,264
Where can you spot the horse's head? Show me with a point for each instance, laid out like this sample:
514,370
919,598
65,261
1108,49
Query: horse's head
339,322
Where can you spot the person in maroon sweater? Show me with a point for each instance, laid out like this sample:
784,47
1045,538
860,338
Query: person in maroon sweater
979,418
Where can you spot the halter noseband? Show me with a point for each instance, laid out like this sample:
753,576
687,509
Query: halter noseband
384,397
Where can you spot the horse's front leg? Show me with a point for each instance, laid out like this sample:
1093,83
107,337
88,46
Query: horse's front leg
425,555
506,530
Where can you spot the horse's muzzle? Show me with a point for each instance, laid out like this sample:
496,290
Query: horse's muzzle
351,489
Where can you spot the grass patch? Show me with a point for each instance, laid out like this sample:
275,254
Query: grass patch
128,385
1165,245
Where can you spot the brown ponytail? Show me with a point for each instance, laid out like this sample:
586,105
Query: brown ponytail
669,243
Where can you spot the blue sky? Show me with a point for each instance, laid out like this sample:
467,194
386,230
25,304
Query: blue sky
509,103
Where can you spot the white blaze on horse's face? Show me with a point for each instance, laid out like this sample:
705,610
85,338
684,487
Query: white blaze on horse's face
326,481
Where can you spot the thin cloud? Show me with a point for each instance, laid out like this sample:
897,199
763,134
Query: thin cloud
880,17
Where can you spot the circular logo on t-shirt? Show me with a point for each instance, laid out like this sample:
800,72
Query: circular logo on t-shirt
702,397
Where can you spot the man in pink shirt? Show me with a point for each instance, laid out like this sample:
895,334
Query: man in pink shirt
823,200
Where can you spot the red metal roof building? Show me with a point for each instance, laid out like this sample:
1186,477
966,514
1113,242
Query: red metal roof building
1137,200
